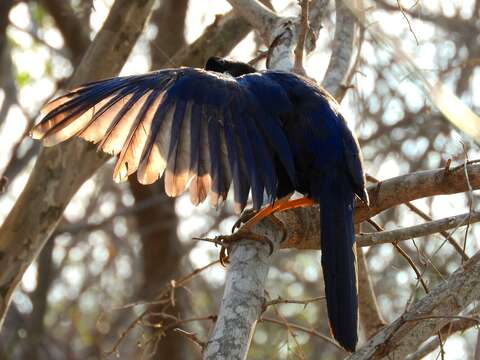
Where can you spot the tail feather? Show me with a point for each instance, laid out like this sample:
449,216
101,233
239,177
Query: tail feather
338,261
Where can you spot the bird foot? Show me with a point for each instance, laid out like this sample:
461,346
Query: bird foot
251,217
225,241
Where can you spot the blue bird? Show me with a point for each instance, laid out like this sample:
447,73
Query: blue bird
269,133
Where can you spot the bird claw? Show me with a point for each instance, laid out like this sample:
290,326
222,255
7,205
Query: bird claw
226,240
244,218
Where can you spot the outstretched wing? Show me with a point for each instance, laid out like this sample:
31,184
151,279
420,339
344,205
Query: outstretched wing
201,129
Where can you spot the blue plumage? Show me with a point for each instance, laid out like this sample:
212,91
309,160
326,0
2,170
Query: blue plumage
268,133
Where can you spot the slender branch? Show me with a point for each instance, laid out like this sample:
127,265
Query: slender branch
427,316
280,300
302,329
428,228
425,216
371,318
304,22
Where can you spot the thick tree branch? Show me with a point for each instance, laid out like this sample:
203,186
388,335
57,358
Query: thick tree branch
258,15
303,225
427,316
61,170
73,29
342,50
243,298
218,40
448,330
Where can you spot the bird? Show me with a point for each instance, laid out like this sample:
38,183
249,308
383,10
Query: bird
267,133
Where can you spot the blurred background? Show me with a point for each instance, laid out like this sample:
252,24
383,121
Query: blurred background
122,243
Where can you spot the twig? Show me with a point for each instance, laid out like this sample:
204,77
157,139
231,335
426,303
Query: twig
192,337
289,329
456,317
163,298
304,28
470,197
412,265
280,300
408,21
302,329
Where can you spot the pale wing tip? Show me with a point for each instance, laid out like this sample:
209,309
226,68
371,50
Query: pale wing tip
146,177
39,134
52,140
36,133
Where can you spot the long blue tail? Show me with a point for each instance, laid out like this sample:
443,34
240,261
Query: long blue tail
338,260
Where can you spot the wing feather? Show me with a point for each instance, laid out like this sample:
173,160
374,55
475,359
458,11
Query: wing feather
241,185
177,173
130,156
154,158
203,130
199,156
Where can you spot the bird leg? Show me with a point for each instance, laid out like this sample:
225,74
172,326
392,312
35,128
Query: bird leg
243,219
279,205
242,234
251,217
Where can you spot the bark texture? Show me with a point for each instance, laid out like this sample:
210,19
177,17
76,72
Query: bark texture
243,298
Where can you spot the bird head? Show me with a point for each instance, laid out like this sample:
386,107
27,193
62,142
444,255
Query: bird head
224,66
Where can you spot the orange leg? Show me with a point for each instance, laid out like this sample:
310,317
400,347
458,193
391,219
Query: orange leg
280,205
245,233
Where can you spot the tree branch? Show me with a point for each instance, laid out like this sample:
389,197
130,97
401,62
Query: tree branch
74,31
258,15
218,39
428,228
342,50
371,319
243,298
54,180
303,226
448,330
427,316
